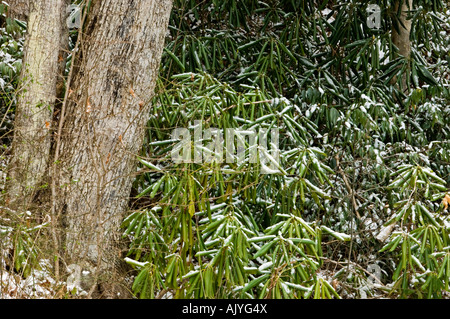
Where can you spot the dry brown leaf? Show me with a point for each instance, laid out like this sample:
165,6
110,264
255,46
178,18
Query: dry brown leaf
108,158
446,201
88,106
335,283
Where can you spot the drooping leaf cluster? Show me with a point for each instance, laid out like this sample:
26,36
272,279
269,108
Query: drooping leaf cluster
359,154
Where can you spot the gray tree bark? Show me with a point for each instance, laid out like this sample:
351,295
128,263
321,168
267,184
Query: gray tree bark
41,71
103,131
19,9
401,39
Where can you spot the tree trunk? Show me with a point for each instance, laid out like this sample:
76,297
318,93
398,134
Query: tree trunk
104,128
38,83
401,39
19,9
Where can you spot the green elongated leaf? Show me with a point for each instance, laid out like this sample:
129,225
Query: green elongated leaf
316,189
428,214
217,256
306,62
404,253
340,236
425,75
392,244
134,219
330,288
356,43
175,58
438,186
303,241
135,263
140,225
286,50
155,188
207,253
214,225
264,249
249,45
401,180
258,239
415,76
443,267
255,282
431,174
401,212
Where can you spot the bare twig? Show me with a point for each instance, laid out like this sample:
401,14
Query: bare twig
349,188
